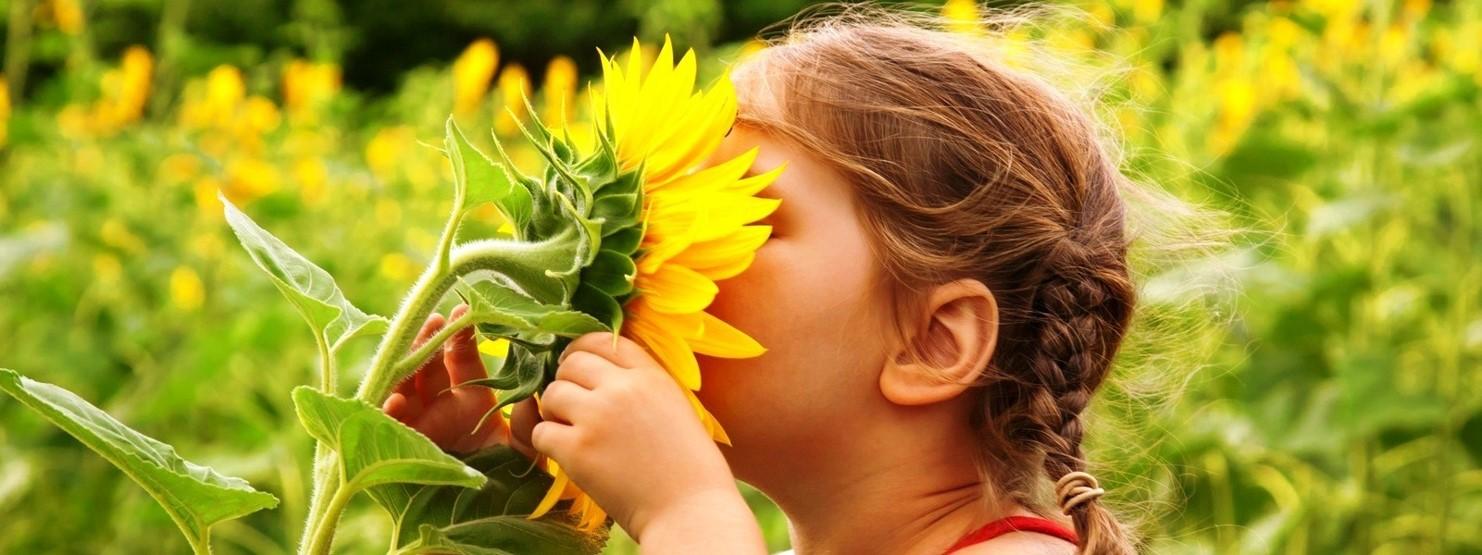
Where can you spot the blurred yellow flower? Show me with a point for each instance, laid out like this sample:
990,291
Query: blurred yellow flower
962,17
248,179
306,85
4,110
1229,51
471,74
133,90
1147,11
207,203
186,290
558,92
514,88
384,150
311,176
179,167
398,267
224,92
259,116
67,14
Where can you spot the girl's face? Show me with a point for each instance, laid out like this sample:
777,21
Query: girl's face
810,299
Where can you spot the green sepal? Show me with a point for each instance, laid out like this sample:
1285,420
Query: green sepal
624,241
524,373
493,303
602,306
482,180
612,272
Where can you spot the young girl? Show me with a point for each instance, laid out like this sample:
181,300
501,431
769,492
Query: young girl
944,291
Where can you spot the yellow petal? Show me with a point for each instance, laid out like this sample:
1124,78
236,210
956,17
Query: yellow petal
737,211
718,115
676,289
716,177
736,245
712,426
592,516
728,270
754,184
670,350
551,495
720,339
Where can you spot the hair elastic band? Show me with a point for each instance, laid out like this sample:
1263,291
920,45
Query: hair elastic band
1076,488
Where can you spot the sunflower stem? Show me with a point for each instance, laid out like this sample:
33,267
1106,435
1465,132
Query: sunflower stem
524,263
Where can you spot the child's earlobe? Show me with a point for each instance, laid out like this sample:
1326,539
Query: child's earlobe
960,330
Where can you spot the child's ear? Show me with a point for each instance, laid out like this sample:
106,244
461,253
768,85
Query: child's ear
958,336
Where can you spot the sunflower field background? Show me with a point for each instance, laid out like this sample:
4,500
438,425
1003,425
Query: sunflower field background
1340,410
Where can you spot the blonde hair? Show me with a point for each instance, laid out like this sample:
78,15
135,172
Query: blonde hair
966,166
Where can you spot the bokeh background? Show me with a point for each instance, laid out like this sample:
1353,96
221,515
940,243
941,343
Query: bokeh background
1319,392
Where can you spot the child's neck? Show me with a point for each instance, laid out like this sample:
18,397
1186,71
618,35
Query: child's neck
914,498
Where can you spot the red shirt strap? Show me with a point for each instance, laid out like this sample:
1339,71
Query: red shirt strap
1015,524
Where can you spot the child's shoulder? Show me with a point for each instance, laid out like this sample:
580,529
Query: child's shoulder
1019,543
1016,543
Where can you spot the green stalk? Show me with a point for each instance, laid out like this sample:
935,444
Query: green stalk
325,487
524,262
323,536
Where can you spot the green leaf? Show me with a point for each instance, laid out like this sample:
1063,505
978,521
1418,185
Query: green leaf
311,289
376,451
482,180
513,490
195,496
503,535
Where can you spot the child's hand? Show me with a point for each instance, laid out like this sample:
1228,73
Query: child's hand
624,431
425,402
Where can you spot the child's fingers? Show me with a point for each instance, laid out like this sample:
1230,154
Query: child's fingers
553,439
521,421
563,401
627,354
399,406
461,354
407,387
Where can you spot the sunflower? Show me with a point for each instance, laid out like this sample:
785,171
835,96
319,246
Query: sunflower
696,224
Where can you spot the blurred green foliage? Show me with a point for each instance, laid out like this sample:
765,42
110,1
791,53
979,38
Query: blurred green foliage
1338,410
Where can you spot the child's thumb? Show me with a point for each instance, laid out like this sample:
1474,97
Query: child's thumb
521,422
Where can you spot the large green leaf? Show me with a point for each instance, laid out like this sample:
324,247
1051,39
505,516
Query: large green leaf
311,289
194,496
491,519
501,535
376,451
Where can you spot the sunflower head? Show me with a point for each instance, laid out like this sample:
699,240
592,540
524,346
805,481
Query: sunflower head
633,232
